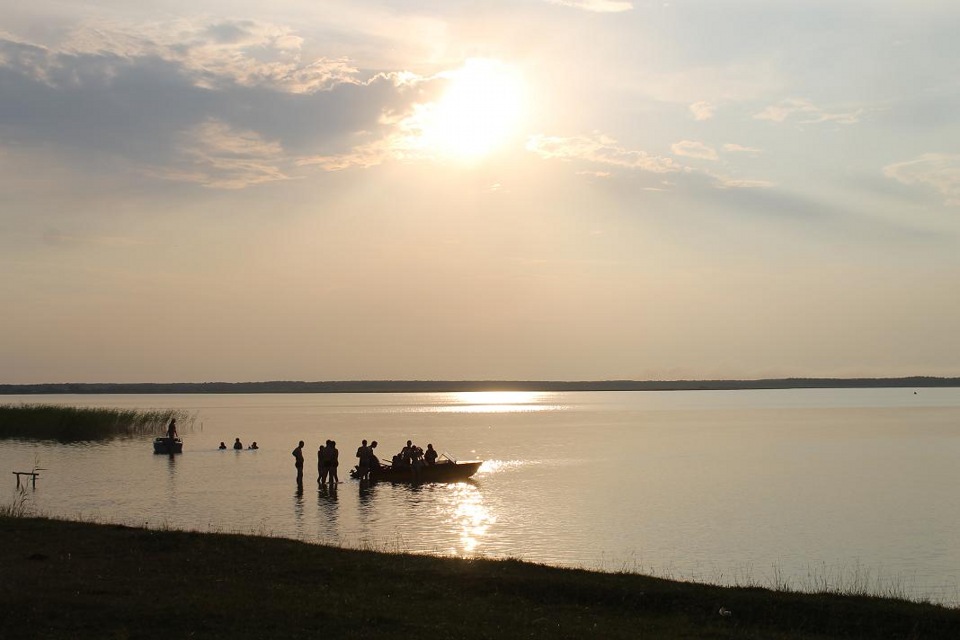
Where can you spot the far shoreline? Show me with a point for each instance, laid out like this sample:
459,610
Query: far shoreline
440,386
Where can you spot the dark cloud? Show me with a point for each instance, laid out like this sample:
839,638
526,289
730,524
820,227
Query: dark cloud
141,104
231,32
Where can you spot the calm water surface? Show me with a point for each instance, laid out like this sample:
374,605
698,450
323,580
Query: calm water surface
854,487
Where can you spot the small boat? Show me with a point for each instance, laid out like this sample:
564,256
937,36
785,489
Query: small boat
442,471
168,445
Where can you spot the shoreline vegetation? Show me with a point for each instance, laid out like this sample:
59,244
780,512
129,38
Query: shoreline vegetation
79,424
434,386
85,580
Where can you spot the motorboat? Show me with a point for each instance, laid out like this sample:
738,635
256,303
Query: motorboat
441,471
168,445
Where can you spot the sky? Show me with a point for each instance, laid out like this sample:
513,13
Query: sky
527,190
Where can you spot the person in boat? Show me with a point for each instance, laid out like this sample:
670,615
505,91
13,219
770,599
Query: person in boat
363,455
223,445
430,455
172,429
254,445
406,454
333,456
416,461
298,462
238,445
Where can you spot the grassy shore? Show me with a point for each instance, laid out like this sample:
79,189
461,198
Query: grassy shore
61,579
76,424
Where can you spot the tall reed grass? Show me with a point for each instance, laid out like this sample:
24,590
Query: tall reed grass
78,424
17,507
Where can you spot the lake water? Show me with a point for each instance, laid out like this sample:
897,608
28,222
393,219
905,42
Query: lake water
852,488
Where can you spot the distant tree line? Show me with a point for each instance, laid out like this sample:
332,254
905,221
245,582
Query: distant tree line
424,386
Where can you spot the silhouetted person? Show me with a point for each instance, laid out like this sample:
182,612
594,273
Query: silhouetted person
416,461
237,444
373,462
322,464
172,429
254,445
223,445
363,455
334,457
406,454
430,455
298,462
328,454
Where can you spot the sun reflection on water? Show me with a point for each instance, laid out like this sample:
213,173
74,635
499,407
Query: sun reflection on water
472,518
496,466
499,402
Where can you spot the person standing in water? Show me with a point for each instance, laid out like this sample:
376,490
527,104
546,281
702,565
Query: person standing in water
334,460
298,462
363,455
373,462
322,464
238,445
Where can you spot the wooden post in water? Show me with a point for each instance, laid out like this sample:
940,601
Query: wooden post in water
33,474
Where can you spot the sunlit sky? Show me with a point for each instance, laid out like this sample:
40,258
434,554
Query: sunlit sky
537,189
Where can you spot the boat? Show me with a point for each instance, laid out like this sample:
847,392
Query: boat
168,445
442,471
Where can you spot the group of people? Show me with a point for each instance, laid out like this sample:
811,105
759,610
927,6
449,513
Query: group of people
367,459
328,460
238,446
413,456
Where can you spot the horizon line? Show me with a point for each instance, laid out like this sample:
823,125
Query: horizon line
426,385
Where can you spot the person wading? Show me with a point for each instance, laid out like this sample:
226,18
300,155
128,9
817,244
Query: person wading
298,462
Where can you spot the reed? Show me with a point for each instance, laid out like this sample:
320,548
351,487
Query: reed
17,507
78,424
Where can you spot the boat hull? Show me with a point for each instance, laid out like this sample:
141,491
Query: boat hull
168,445
439,472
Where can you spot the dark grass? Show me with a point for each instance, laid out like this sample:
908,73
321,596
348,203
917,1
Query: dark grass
77,424
62,579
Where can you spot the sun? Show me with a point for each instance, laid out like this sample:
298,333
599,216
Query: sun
479,111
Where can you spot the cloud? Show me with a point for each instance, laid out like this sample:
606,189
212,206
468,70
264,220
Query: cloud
229,106
362,156
398,132
693,149
594,174
241,52
702,111
218,156
938,170
739,183
805,112
737,148
597,6
598,149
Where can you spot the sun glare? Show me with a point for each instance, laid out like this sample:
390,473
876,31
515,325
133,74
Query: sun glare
478,112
